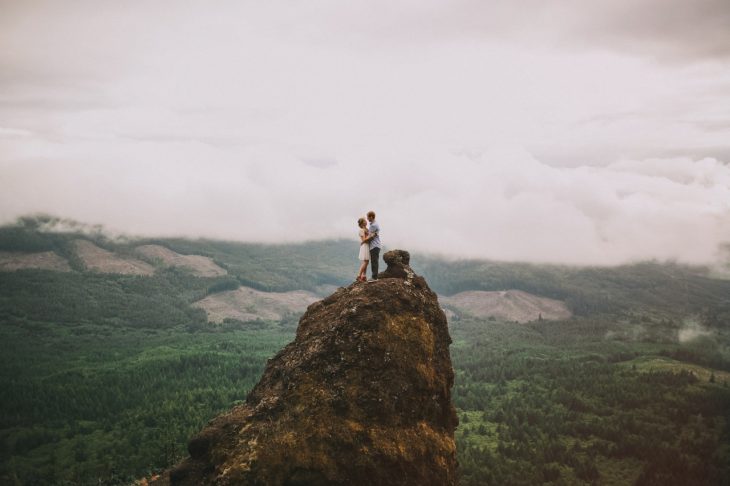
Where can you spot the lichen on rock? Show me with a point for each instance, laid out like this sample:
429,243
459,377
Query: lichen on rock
362,396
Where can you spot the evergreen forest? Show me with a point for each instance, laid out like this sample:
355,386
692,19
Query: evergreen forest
105,377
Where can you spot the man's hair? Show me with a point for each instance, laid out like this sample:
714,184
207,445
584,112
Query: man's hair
371,214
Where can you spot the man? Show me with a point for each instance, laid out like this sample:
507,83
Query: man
374,242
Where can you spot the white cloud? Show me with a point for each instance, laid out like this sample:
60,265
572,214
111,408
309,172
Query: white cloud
692,330
14,132
504,204
280,121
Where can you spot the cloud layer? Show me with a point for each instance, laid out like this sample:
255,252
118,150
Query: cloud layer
500,204
557,132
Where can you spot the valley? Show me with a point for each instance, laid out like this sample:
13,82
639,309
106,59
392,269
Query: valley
112,361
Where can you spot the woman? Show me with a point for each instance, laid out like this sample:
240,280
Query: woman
364,249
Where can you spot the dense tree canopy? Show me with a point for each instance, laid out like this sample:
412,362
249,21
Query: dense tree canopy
105,377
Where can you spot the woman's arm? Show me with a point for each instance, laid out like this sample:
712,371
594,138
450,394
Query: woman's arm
369,236
364,237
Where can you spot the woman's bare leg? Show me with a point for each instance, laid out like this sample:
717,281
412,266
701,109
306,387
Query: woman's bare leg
363,268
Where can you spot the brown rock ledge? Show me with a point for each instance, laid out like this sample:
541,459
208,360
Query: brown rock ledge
362,396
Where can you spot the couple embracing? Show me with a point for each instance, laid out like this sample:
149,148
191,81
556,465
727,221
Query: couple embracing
369,246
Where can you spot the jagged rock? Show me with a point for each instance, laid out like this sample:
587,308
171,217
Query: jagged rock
362,396
397,262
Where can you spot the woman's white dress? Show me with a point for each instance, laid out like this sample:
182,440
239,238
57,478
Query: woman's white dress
364,248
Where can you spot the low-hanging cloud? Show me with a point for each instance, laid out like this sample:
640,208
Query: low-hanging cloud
692,330
500,204
472,128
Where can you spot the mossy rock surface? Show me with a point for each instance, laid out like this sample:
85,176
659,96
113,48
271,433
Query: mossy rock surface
362,396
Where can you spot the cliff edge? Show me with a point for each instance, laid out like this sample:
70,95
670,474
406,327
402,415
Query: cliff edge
362,396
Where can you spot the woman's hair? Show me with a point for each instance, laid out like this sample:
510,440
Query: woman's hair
361,222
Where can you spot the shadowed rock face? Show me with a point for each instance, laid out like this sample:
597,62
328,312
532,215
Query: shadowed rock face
398,265
361,397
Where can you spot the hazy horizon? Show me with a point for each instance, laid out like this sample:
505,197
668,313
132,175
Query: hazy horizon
562,133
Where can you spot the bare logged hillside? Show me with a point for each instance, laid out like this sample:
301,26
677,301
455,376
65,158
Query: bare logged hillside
46,260
510,305
247,304
103,261
200,266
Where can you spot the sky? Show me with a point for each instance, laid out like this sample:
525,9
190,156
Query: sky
570,131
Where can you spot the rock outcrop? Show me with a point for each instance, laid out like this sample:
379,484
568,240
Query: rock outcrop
362,396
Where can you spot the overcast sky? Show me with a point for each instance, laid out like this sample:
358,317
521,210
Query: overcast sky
565,131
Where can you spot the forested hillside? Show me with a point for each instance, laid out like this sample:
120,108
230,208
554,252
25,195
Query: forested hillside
105,376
